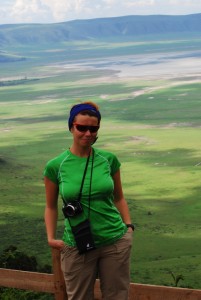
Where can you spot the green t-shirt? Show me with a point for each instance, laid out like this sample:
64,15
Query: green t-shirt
66,170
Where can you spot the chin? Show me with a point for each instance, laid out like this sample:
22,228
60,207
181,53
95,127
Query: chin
87,142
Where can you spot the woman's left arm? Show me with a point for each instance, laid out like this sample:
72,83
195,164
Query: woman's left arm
119,199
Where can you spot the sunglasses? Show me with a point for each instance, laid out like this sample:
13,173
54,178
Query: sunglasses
84,128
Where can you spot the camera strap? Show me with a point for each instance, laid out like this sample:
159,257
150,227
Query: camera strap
84,174
92,166
85,170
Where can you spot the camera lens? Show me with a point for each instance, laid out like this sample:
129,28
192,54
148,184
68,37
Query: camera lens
70,210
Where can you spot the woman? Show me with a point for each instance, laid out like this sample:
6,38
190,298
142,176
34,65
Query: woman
98,231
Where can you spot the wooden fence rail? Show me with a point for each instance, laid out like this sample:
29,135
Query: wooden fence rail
54,284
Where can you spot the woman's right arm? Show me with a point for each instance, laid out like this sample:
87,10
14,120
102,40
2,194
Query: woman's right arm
51,213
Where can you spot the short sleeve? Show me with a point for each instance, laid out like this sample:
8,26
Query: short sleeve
51,171
115,164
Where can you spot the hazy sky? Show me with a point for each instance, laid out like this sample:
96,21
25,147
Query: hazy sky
51,11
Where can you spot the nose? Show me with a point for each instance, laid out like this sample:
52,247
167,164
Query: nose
88,132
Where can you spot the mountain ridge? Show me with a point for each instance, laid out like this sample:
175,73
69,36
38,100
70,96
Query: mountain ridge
99,28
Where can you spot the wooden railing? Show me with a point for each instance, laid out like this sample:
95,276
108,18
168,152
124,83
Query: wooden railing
54,284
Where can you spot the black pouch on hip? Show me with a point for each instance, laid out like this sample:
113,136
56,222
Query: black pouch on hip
83,237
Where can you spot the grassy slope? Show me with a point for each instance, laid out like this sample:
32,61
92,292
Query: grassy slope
160,164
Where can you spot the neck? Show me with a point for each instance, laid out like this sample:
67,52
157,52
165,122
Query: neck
82,152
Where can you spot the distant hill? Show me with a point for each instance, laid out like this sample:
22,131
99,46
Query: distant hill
104,28
8,57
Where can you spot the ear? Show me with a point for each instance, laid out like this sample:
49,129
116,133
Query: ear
69,130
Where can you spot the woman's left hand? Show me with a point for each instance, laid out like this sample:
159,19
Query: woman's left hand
130,229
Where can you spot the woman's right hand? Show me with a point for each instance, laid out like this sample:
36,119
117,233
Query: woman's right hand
57,244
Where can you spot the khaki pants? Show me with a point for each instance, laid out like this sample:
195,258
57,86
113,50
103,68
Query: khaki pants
110,263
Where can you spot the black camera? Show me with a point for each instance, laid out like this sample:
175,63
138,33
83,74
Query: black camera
72,209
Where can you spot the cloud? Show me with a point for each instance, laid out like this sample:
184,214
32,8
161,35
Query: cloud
140,3
4,11
30,11
75,9
184,2
49,11
65,9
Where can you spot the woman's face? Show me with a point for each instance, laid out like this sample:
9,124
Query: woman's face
84,136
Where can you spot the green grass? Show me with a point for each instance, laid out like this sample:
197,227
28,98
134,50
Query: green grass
156,136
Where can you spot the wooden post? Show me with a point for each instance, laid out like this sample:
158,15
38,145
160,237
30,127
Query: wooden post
60,288
97,291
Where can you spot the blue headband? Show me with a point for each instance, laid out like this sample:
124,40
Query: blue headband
75,110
